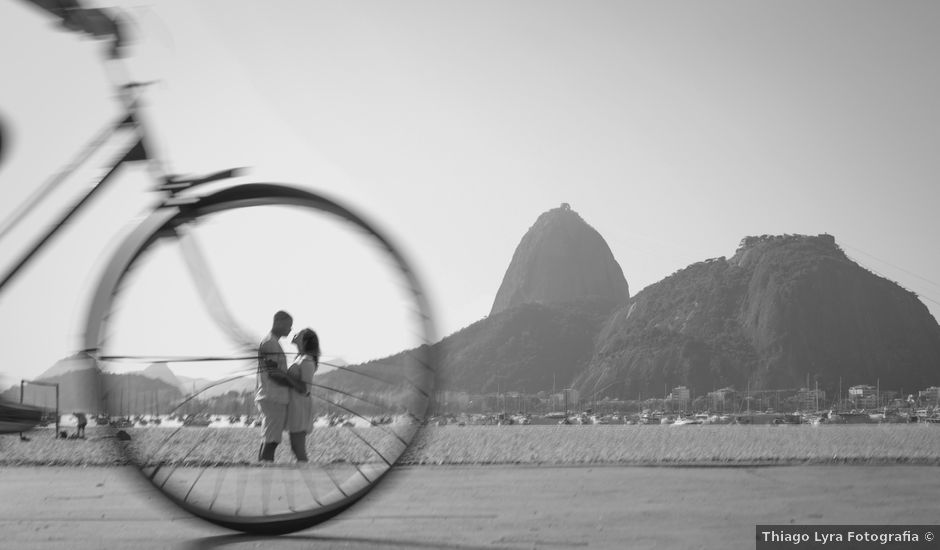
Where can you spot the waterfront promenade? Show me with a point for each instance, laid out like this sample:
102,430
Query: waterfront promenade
485,507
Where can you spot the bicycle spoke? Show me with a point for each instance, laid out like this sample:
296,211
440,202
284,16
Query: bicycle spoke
336,484
218,487
206,388
305,475
369,420
376,451
193,486
183,459
363,474
385,381
240,490
172,434
265,490
289,494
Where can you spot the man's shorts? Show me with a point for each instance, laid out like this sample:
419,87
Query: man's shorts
275,420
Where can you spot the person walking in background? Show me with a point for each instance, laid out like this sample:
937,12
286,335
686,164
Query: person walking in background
82,422
273,388
300,407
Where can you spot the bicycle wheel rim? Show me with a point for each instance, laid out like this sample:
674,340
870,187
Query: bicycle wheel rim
162,225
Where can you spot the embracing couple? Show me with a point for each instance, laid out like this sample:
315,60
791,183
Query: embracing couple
284,392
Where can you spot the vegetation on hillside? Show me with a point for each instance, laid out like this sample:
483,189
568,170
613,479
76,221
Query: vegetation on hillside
782,309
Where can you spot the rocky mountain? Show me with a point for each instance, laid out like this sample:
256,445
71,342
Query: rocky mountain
160,371
131,393
528,347
75,362
561,259
561,286
207,388
86,390
781,309
81,387
186,385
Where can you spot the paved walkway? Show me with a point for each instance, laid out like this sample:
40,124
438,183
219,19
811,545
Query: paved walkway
485,507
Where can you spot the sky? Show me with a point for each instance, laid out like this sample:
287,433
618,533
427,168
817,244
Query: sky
674,128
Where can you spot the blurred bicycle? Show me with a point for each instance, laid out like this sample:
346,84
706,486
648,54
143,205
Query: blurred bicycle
184,287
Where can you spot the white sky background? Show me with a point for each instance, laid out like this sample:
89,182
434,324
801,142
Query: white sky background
674,128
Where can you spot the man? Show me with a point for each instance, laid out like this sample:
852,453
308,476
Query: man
82,422
273,390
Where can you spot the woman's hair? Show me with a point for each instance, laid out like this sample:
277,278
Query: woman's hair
309,343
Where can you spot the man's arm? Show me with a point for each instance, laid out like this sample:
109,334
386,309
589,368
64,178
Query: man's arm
285,379
295,383
270,358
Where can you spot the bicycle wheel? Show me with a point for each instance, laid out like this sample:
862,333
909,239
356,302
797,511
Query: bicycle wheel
174,326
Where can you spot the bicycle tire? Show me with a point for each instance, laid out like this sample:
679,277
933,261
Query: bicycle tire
163,224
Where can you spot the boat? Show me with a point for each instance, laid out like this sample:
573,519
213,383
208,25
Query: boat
759,418
894,416
686,421
848,417
521,419
17,417
197,421
122,422
815,419
605,419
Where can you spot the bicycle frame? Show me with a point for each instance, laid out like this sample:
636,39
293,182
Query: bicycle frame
128,138
110,136
101,24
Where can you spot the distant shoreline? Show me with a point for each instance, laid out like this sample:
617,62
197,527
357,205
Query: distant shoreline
653,446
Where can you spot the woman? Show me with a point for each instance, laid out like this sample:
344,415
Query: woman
300,406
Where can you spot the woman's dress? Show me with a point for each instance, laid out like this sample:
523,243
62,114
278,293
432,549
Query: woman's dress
300,407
